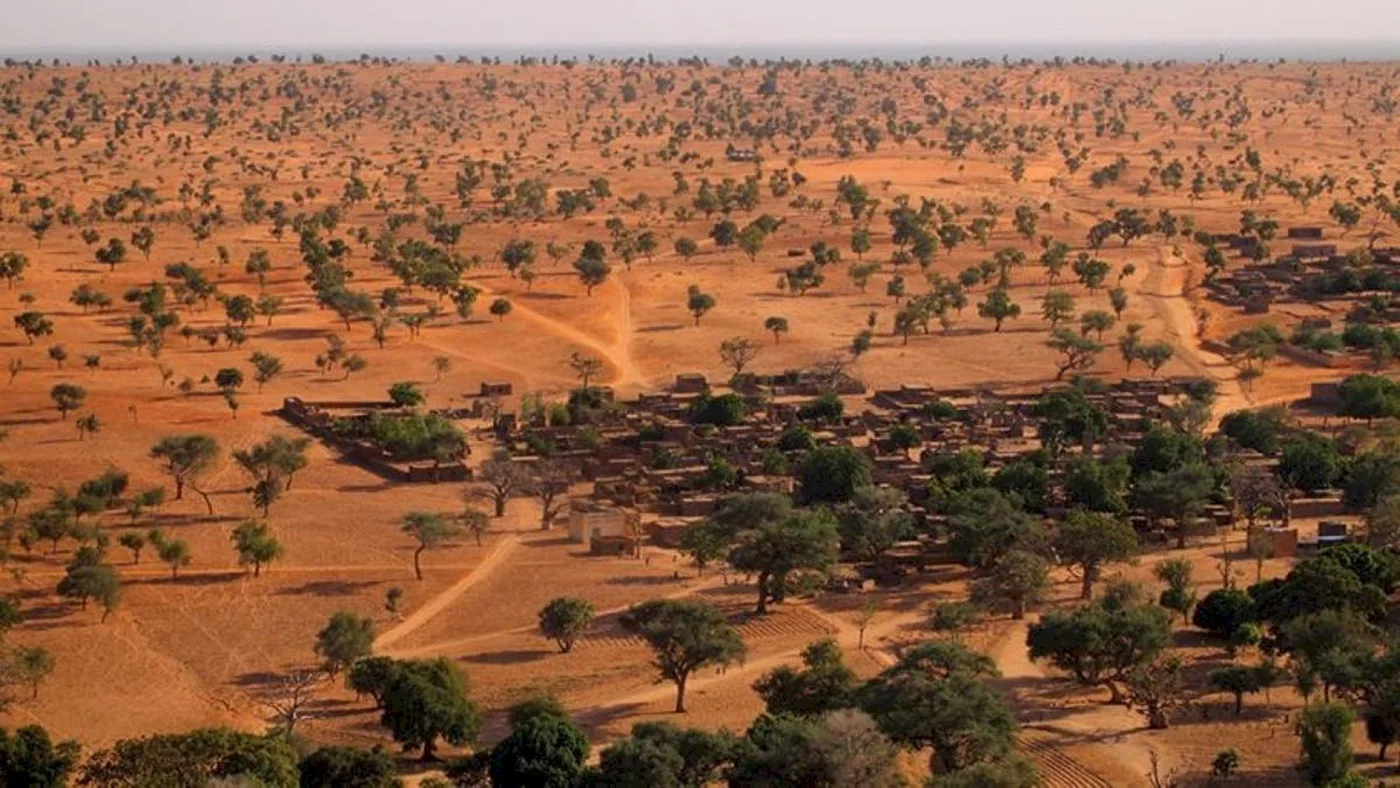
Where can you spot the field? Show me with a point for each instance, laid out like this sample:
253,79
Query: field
203,154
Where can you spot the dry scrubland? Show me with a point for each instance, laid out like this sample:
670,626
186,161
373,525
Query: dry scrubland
218,146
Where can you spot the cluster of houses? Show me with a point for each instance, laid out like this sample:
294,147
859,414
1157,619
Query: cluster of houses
1290,277
648,469
320,419
644,472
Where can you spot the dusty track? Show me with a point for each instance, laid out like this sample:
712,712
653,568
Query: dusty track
499,552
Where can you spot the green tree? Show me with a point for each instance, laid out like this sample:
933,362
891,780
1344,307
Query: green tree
661,755
684,636
1324,730
956,714
832,474
256,545
1017,581
998,307
1223,611
430,530
698,303
67,397
564,619
30,665
406,394
984,525
541,751
777,326
1088,540
844,748
29,758
592,272
197,757
186,458
345,638
823,684
785,551
1056,307
174,553
426,701
1102,643
1238,680
348,767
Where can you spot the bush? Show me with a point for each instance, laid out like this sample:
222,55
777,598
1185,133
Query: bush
832,474
1325,730
1259,430
725,410
348,767
797,438
824,409
1223,611
414,437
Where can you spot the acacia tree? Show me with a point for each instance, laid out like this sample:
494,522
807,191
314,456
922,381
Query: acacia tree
585,367
345,638
430,530
503,478
185,459
548,481
779,550
738,352
1088,540
67,397
1101,643
777,326
998,307
684,636
1077,350
255,545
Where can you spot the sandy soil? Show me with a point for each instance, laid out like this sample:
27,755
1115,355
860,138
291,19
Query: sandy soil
215,640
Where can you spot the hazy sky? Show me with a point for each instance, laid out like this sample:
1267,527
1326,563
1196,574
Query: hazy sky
264,25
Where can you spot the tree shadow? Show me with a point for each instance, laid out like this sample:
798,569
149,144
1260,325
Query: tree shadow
329,588
558,541
291,333
644,580
509,657
193,580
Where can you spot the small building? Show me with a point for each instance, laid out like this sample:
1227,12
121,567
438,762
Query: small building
1311,233
691,383
591,519
496,388
1314,251
1283,542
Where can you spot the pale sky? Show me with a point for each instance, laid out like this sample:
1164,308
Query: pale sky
116,26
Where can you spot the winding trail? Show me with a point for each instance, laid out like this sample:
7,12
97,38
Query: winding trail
445,647
617,353
420,617
1164,288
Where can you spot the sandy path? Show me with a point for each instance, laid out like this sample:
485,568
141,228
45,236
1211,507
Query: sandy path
617,353
448,646
499,552
847,636
1165,288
